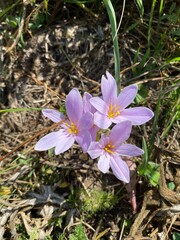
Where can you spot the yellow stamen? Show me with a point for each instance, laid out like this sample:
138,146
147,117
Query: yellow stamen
113,111
73,129
109,148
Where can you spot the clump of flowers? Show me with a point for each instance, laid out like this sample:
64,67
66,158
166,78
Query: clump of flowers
87,116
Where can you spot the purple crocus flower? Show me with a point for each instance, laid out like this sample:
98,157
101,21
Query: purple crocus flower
76,128
111,108
110,149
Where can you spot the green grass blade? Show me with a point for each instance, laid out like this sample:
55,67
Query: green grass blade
19,109
7,9
112,18
140,7
150,23
161,7
155,124
171,120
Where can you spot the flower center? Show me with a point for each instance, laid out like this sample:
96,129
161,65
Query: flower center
113,111
73,129
109,148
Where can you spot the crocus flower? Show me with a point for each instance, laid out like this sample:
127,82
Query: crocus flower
75,128
111,108
110,149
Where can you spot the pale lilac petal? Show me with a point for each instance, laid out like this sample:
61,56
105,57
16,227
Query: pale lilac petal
120,133
53,115
108,88
84,140
86,103
49,141
137,115
102,121
99,104
104,141
118,119
64,143
103,163
129,150
66,124
120,169
74,105
93,131
94,150
126,96
86,121
88,107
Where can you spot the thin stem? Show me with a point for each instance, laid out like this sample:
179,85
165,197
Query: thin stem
112,18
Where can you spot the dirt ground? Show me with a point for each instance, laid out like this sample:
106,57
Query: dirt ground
55,60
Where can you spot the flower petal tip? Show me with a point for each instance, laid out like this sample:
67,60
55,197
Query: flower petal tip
53,115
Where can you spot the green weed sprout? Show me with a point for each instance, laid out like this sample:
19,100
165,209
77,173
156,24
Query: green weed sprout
97,201
78,233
